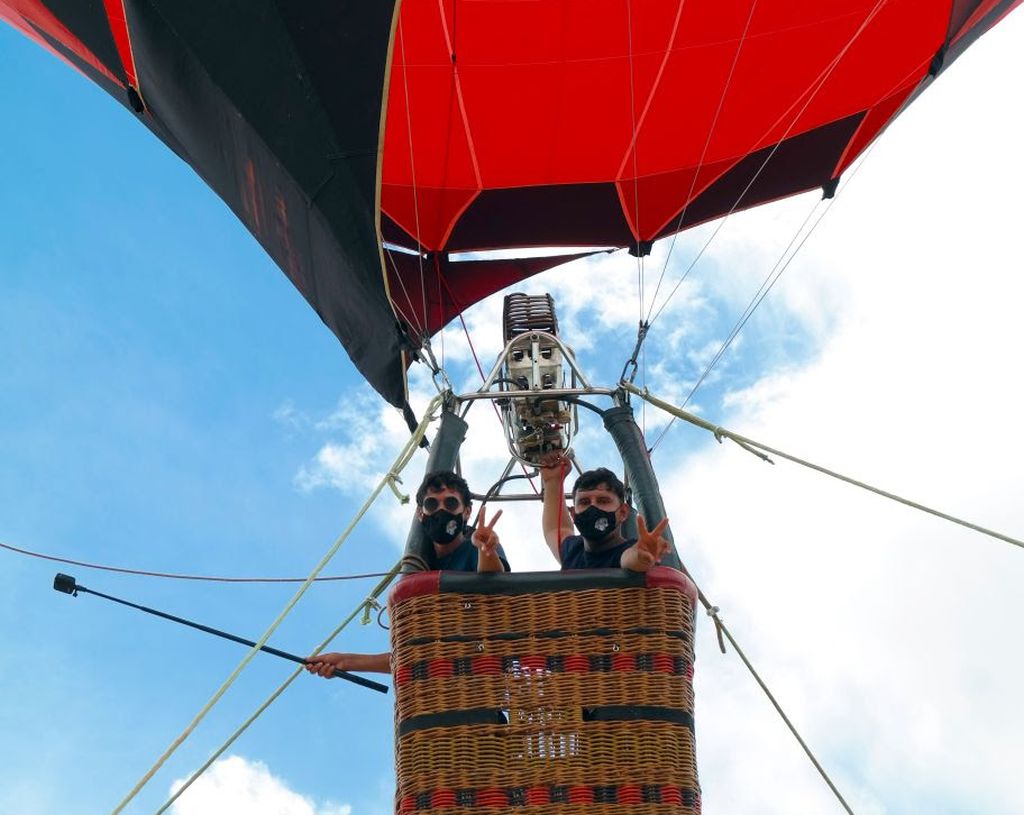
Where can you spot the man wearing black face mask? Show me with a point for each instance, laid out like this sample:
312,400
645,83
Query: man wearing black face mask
598,511
443,506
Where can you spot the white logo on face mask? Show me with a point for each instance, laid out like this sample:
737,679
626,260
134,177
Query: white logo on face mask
452,527
601,525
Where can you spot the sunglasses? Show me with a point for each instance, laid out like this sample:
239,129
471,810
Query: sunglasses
450,502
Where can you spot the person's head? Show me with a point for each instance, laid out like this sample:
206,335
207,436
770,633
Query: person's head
443,505
598,504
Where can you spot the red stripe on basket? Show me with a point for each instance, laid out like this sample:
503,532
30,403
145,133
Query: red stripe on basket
581,795
577,663
534,662
440,667
492,797
487,665
663,663
538,796
408,804
671,795
624,662
442,798
574,663
631,795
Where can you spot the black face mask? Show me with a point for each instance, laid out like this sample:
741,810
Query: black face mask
442,526
595,524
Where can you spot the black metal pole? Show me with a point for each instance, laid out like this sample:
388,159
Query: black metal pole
619,422
66,583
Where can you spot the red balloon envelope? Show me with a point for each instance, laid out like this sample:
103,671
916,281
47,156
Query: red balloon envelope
443,126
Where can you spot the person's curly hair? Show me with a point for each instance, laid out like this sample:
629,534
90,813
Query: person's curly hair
601,477
439,480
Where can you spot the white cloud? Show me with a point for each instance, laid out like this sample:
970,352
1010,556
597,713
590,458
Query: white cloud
236,784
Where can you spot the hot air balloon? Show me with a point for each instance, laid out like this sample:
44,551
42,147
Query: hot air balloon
366,146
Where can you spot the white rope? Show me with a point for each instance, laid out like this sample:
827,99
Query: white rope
411,446
412,172
813,92
769,282
371,598
700,161
754,446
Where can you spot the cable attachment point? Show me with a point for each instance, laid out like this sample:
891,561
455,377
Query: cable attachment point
394,479
437,372
713,614
369,606
631,364
763,456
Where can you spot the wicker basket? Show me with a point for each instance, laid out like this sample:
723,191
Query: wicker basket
562,692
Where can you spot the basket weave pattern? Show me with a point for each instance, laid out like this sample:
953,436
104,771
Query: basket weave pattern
559,702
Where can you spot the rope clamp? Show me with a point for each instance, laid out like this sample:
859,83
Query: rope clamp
394,479
713,614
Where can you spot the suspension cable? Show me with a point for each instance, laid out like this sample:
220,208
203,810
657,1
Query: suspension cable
412,175
179,576
769,282
816,85
766,286
763,451
410,318
403,459
700,161
366,604
721,630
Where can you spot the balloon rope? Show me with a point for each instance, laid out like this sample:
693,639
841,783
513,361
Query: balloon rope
754,446
812,91
766,286
371,598
412,173
411,317
700,162
721,630
179,576
411,446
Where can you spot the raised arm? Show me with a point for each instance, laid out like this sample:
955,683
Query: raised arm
556,521
325,664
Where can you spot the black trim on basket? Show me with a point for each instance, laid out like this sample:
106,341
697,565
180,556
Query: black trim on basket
540,582
646,713
451,718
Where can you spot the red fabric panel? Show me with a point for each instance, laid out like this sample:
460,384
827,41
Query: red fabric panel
878,117
28,15
512,95
461,284
119,28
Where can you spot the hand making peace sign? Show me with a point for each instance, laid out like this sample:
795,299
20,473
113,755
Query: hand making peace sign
484,537
650,546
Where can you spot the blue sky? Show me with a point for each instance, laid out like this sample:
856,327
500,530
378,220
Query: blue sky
168,401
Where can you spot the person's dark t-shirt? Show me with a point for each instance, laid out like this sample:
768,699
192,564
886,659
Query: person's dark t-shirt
575,555
465,558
